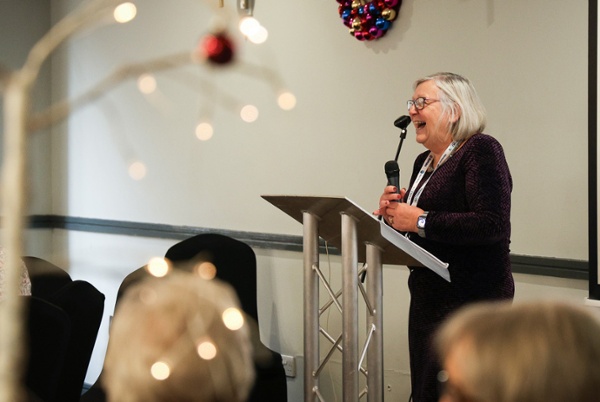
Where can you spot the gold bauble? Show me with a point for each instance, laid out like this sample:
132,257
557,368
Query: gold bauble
356,23
389,14
356,4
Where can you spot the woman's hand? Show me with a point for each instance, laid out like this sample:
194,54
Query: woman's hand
398,215
389,195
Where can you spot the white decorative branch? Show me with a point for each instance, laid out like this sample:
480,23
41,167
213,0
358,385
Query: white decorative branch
16,87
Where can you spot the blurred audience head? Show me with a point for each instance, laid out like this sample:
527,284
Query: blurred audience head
527,352
179,338
24,280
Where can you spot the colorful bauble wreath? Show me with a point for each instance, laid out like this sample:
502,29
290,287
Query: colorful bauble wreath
368,20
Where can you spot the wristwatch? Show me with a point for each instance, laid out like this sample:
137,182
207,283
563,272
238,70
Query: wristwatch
421,224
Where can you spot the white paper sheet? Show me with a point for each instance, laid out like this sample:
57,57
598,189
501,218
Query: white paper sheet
418,253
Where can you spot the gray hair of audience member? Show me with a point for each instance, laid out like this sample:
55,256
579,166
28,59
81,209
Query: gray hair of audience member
172,339
528,352
458,97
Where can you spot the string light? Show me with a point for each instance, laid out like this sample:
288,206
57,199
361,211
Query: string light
160,371
249,113
146,83
125,12
137,170
204,131
260,36
286,101
207,350
206,270
249,26
158,267
233,319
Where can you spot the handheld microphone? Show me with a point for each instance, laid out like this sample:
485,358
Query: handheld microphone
392,171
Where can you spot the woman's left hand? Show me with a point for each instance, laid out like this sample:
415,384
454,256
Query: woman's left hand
403,217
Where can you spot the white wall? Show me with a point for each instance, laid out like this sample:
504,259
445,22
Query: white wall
528,60
22,23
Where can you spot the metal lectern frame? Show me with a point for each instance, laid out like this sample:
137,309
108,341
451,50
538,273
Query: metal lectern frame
344,225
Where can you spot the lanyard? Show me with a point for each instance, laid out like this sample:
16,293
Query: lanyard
414,198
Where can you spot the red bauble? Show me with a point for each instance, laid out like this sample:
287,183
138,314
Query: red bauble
218,48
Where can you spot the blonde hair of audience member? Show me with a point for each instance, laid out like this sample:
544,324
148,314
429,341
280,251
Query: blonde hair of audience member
528,352
167,320
25,282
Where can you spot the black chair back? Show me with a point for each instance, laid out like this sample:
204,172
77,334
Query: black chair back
46,278
83,304
48,329
235,262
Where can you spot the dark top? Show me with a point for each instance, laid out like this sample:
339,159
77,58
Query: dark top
468,226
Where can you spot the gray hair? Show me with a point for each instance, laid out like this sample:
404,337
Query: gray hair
527,352
459,98
178,321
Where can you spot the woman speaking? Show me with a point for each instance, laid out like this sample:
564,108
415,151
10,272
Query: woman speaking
457,206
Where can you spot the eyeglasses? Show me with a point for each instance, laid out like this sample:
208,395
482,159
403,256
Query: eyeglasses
420,103
450,390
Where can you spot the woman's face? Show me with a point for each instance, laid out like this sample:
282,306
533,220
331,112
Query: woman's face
431,131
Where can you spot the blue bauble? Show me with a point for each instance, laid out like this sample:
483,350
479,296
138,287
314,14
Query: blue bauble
382,24
373,9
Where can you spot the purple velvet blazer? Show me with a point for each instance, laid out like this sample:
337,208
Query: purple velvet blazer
468,221
468,226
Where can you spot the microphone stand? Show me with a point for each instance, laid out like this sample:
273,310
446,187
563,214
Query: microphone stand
400,122
402,137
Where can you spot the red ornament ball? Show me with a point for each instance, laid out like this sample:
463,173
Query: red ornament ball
218,48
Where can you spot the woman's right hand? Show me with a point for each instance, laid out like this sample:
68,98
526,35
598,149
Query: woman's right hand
389,195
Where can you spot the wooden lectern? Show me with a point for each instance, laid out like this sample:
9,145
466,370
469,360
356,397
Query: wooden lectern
346,226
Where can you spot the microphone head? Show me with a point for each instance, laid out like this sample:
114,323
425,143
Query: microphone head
391,168
402,122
